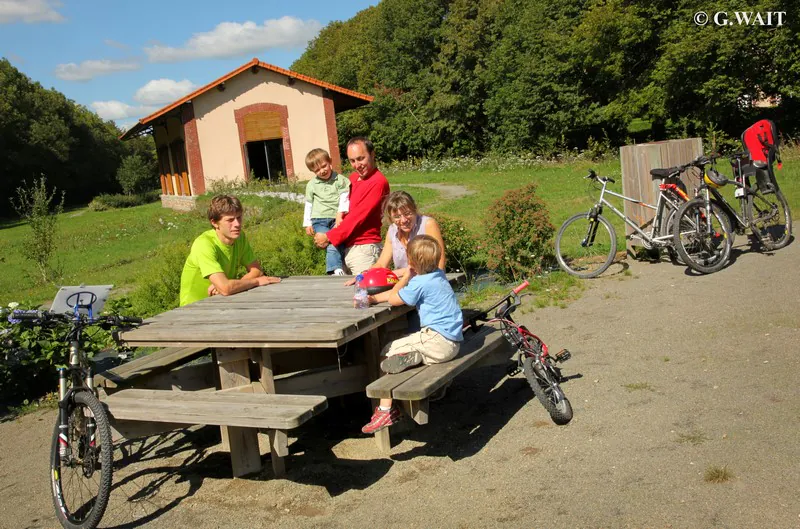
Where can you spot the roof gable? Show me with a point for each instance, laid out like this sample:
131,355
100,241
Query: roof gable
344,99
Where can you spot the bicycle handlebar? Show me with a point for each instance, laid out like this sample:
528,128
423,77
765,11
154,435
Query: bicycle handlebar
44,317
522,287
593,176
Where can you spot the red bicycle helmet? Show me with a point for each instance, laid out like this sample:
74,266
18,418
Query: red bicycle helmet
377,280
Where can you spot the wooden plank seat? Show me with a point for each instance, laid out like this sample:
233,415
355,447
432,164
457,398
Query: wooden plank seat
413,387
146,366
275,414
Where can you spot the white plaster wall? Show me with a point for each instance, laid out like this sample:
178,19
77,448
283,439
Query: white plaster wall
219,136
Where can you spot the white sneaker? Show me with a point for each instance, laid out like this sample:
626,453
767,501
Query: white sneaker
338,272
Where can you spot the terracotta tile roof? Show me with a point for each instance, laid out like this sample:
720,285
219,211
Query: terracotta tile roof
348,98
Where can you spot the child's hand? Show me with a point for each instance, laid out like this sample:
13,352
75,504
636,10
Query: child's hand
310,231
339,219
371,300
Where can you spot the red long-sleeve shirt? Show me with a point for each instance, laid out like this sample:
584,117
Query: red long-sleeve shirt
362,224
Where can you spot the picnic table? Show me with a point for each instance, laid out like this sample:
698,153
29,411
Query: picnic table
301,336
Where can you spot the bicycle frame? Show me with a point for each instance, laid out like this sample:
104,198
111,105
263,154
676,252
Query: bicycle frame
651,238
742,192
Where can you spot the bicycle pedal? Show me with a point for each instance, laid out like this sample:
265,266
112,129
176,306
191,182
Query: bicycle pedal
563,355
512,370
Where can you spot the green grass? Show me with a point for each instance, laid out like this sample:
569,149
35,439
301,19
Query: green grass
717,474
638,386
107,247
694,437
115,246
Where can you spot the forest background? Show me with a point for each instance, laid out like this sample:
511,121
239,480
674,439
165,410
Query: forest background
476,77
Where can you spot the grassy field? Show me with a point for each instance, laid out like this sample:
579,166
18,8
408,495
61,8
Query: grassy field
116,246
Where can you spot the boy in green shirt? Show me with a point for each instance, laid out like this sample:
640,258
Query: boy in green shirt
218,254
327,200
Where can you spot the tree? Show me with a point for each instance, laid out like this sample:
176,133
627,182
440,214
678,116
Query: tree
134,175
35,205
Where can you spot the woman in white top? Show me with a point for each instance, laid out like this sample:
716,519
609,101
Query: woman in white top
405,223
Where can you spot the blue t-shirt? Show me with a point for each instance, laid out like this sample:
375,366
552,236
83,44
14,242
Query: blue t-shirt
436,303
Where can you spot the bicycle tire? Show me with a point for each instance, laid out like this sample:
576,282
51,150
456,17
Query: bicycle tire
585,261
666,231
551,397
86,512
700,251
770,220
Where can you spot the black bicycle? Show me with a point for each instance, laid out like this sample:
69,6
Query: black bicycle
81,454
533,359
704,244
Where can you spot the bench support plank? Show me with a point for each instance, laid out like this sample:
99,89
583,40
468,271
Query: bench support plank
416,409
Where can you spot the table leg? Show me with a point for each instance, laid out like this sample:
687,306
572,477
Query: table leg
234,370
373,344
277,450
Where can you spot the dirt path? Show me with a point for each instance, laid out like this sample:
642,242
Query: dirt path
680,374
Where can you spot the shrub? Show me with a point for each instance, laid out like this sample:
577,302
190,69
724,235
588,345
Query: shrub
135,175
29,356
459,243
106,202
284,249
518,233
33,203
160,289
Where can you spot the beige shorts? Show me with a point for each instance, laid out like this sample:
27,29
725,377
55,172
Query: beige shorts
361,257
433,347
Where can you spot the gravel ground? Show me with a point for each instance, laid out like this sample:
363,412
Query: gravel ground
679,374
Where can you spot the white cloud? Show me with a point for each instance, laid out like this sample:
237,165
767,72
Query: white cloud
29,11
114,44
117,110
231,39
163,91
90,69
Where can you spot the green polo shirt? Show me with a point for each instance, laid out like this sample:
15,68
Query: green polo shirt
209,256
324,195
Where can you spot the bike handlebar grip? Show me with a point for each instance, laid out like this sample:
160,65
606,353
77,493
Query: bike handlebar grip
27,315
127,319
522,287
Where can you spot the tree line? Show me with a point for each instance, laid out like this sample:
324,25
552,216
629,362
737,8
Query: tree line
466,77
42,133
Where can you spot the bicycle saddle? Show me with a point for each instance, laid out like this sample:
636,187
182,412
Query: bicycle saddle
663,173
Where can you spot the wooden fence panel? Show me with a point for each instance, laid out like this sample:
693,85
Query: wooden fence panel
638,160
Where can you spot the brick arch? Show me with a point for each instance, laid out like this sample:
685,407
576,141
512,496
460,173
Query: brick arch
283,112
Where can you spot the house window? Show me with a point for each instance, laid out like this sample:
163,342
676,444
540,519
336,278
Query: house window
265,160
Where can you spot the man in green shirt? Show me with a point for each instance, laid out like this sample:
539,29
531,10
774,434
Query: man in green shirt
218,254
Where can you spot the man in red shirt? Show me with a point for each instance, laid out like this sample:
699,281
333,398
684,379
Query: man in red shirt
360,231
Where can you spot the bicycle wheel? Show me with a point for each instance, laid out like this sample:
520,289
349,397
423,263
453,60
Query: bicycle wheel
585,247
770,219
81,479
548,392
702,249
666,230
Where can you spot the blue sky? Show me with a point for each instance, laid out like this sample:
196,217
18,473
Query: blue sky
125,59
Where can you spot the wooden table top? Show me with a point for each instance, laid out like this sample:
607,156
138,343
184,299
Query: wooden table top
302,311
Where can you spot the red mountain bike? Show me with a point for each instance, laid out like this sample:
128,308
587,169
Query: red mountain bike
533,359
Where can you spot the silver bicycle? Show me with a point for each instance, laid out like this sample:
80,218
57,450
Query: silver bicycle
586,243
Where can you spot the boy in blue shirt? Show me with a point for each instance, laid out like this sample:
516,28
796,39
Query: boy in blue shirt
427,288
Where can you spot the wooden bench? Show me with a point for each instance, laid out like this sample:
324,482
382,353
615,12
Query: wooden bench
413,387
145,367
238,410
